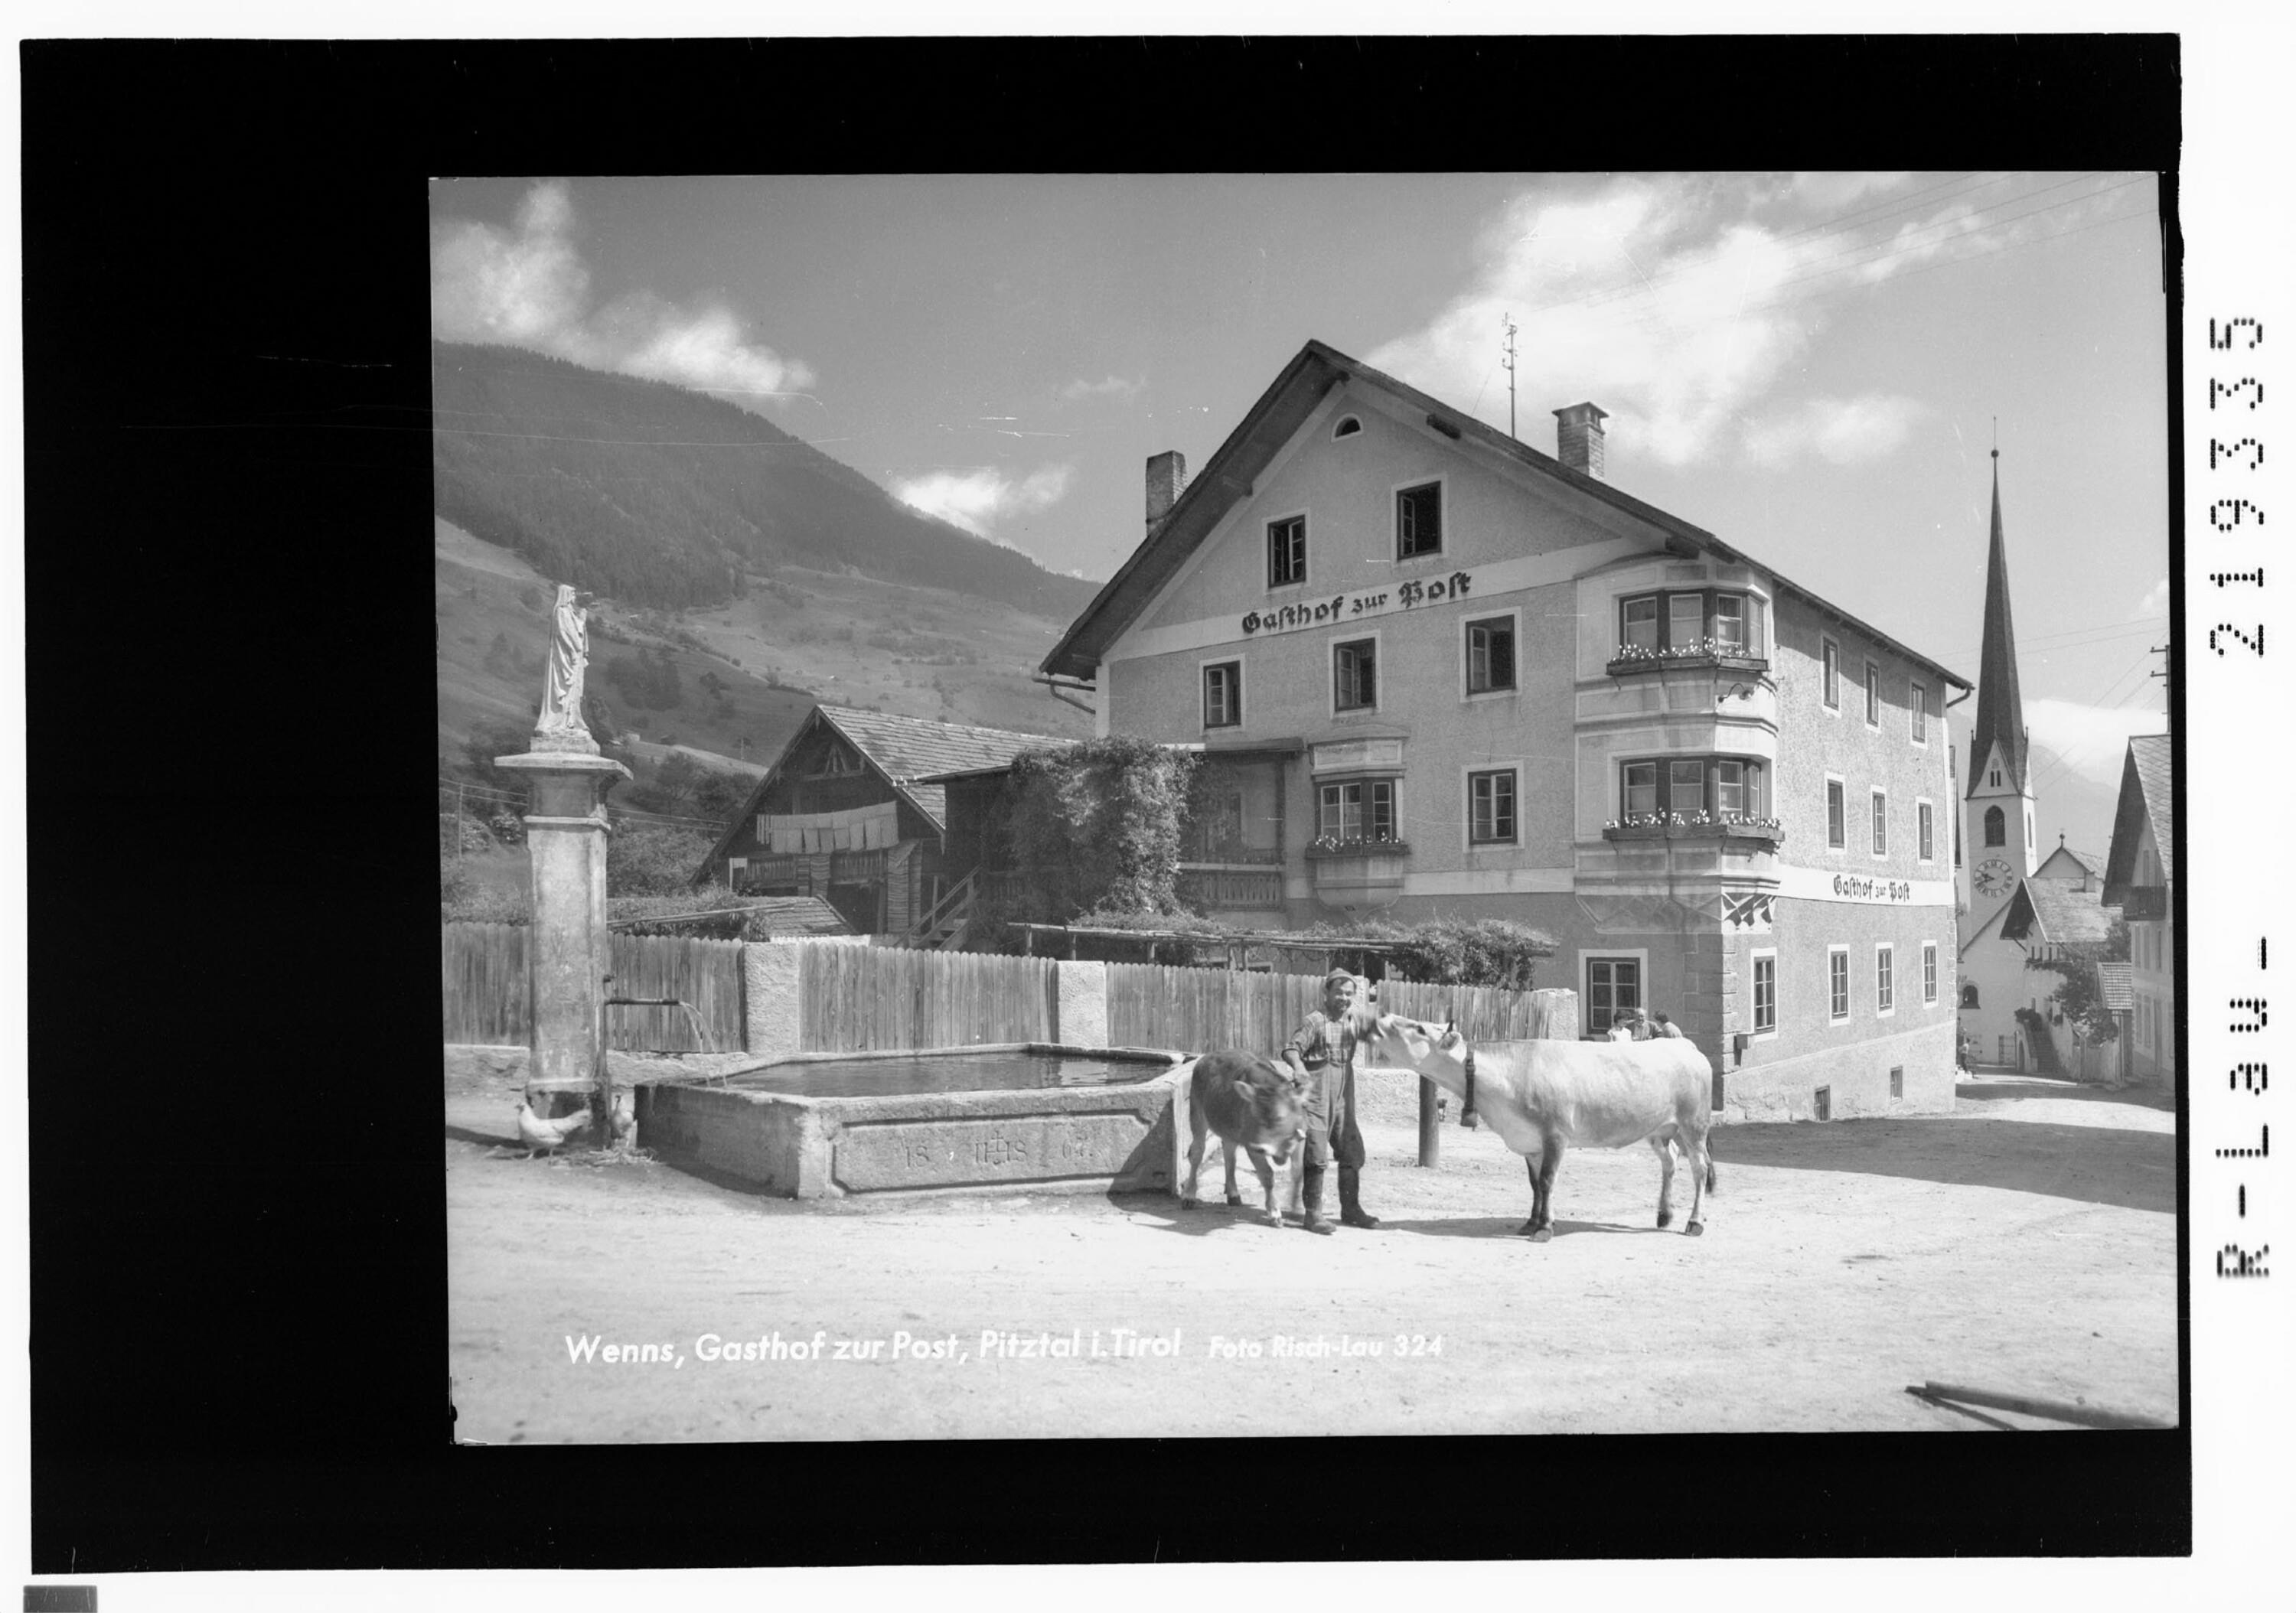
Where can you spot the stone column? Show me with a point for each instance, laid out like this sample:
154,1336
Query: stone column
569,955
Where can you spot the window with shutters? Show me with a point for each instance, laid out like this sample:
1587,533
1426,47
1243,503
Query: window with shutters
1354,676
1419,521
1287,551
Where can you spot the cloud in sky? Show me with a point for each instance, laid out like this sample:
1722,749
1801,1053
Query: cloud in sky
1678,302
2155,601
977,500
1843,431
1115,386
527,286
2090,739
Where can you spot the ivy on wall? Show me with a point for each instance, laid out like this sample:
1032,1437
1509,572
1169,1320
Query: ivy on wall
1098,825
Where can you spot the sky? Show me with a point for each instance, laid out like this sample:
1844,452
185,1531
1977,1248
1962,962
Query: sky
1812,367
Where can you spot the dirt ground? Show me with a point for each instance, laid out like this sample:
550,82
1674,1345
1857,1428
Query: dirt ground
2025,1243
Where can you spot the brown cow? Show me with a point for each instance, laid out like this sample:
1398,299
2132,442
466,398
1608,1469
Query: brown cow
1255,1105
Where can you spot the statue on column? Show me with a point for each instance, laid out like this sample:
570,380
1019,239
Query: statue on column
560,727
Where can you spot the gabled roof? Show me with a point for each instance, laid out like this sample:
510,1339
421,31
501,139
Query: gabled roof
2051,911
2148,775
2115,986
1227,478
901,750
2000,713
2090,864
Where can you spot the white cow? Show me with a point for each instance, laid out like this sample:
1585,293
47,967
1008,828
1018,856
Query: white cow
1540,1096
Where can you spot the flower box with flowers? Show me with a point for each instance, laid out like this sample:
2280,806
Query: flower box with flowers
1694,826
1354,845
1702,655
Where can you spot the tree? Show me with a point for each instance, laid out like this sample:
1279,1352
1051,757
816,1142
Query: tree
2079,994
653,859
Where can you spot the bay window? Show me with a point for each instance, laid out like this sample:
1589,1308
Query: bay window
1686,621
1361,809
1726,786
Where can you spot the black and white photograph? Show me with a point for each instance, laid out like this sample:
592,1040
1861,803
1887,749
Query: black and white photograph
1458,812
1594,742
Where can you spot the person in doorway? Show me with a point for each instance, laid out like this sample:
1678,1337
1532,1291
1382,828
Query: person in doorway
1323,1058
1661,1026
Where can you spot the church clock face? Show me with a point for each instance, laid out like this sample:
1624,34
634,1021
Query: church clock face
1992,877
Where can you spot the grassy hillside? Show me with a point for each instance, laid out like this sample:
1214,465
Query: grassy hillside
660,497
746,672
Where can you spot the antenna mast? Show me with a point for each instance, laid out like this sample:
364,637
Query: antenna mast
1506,323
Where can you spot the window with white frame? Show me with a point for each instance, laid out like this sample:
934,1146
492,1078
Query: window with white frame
1354,676
1837,984
1837,828
1873,694
1881,824
1358,809
1766,993
1490,807
1923,830
1929,971
1223,694
1885,980
1917,702
1613,986
1491,655
1830,656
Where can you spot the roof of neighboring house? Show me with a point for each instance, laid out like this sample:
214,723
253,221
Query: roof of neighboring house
1227,477
800,916
2064,914
2113,982
2091,864
902,751
2148,775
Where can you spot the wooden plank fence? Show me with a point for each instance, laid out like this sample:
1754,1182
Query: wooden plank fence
886,999
706,974
482,984
1198,1009
483,990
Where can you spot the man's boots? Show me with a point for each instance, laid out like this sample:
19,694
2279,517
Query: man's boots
1352,1209
1311,1201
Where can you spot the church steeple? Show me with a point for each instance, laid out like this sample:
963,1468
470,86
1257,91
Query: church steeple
2000,714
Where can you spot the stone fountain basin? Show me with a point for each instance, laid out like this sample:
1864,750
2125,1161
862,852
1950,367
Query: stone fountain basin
1111,1133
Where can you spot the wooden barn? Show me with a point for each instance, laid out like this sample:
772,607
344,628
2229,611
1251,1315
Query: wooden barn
844,813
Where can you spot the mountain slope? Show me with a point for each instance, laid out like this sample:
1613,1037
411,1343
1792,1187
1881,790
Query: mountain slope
662,496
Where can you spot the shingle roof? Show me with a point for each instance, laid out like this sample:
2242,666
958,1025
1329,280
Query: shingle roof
2112,981
2148,775
911,748
2155,756
799,916
2065,914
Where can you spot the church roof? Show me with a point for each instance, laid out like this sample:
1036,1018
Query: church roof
2000,713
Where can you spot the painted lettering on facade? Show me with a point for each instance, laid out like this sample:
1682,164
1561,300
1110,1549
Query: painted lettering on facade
1872,890
1344,607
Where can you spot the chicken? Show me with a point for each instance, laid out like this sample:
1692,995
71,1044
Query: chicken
626,1121
548,1135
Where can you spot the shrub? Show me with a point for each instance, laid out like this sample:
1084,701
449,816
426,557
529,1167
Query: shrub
463,896
653,859
732,926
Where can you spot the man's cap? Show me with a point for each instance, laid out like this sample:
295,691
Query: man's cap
1338,974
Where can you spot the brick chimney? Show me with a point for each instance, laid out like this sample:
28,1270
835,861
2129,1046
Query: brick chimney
1168,474
1578,438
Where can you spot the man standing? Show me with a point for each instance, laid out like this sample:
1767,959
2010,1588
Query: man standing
1322,1056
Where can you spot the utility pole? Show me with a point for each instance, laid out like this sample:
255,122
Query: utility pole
1506,323
2168,686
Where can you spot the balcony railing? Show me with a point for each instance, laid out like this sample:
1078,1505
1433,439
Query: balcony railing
1202,848
1763,833
2140,902
1231,889
1707,655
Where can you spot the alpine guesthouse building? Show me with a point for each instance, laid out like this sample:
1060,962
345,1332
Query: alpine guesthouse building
1435,671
